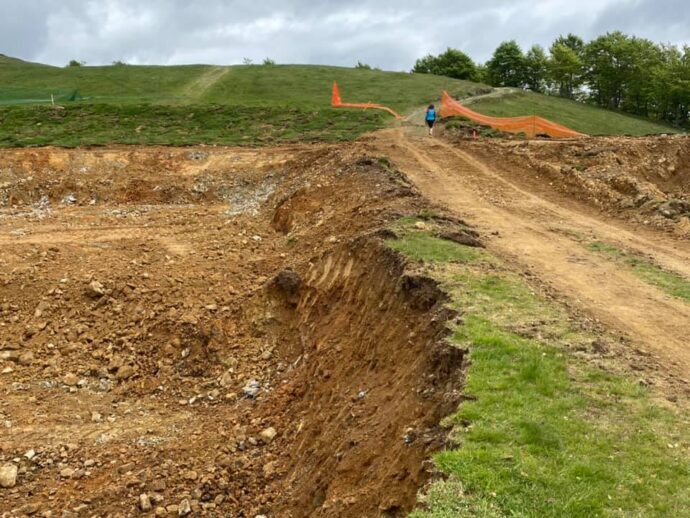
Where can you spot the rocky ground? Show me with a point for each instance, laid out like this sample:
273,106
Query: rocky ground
644,180
173,325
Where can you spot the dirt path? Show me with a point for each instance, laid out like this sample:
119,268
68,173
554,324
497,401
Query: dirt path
538,236
203,83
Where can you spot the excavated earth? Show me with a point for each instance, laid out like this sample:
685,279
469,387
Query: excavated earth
644,180
215,332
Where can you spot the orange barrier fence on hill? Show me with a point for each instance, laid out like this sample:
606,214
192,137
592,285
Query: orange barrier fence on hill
337,102
531,125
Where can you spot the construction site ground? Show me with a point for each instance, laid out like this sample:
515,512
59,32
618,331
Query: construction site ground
217,331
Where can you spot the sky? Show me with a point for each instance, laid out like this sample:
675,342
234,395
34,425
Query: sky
386,34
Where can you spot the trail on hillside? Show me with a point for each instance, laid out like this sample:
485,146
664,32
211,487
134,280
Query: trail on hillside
536,235
197,88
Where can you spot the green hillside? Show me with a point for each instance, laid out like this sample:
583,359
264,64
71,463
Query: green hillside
254,85
250,105
578,116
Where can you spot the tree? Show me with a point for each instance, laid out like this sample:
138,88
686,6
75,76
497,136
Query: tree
268,62
75,63
571,41
536,69
565,70
247,61
507,66
609,62
362,66
452,63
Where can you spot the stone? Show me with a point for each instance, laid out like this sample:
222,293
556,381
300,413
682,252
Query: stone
268,435
252,388
125,372
8,475
70,379
145,503
185,508
96,417
160,511
227,379
67,473
95,290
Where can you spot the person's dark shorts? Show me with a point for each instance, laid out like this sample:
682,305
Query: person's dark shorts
430,123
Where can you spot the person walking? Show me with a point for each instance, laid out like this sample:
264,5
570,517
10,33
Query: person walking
431,117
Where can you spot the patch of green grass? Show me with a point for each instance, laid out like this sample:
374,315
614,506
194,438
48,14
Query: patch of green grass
423,245
578,116
546,433
100,124
648,271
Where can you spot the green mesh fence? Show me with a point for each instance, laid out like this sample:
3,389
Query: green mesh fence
11,95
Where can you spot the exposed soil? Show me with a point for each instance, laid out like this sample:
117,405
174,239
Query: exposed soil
542,227
223,332
219,330
643,180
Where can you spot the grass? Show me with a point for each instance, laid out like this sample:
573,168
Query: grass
100,124
225,105
546,433
578,116
279,96
304,86
648,271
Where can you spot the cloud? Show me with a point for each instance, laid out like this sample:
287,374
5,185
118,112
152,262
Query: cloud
387,34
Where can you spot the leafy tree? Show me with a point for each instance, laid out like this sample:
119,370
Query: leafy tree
268,62
119,63
573,42
75,63
507,67
247,61
362,66
536,69
565,70
610,64
452,63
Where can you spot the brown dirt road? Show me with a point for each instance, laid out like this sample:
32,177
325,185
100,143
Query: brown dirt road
546,239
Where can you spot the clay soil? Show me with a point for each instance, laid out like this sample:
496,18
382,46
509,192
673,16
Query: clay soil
223,331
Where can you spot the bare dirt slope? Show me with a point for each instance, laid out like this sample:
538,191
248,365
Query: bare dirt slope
214,332
542,232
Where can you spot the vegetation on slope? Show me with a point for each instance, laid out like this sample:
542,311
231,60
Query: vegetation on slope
549,429
578,116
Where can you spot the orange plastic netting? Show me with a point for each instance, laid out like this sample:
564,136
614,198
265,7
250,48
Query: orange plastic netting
337,102
531,125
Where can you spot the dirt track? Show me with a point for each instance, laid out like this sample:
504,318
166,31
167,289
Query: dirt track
543,234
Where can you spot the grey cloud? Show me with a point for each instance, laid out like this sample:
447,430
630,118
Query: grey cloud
383,33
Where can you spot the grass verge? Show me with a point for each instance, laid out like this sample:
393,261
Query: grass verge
546,432
670,282
100,124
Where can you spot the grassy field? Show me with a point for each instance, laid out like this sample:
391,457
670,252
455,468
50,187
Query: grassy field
546,431
253,104
241,105
578,116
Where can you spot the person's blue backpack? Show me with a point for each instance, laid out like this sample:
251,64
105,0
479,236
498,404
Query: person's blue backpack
431,115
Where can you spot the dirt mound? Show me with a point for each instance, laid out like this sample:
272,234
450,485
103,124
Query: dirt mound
217,331
646,180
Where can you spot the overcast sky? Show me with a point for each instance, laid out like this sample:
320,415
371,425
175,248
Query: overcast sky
387,34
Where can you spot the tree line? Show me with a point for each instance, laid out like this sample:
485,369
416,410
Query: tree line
613,71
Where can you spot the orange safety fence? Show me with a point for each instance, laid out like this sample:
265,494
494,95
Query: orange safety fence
337,102
531,125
